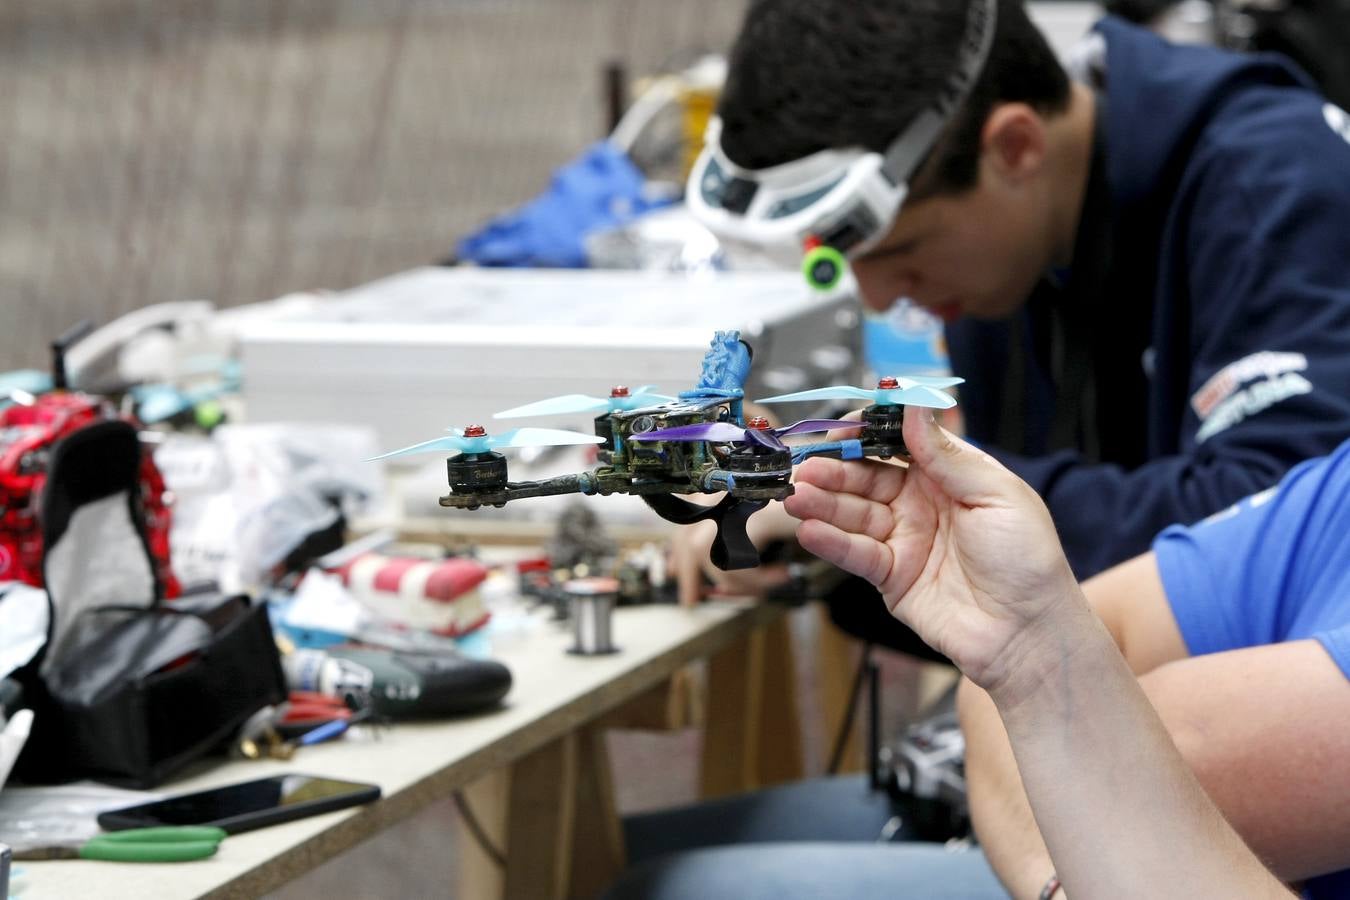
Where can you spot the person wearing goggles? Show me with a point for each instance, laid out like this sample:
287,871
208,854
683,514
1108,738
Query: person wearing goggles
1115,257
1145,275
834,203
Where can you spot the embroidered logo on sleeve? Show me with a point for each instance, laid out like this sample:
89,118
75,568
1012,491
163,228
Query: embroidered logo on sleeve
1255,501
1223,401
1338,119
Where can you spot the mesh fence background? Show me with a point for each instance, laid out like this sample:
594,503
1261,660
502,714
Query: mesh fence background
236,150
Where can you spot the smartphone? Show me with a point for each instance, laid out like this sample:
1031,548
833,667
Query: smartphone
246,806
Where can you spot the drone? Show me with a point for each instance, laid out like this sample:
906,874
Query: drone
699,442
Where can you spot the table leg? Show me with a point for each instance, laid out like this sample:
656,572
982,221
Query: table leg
540,817
479,875
752,735
779,758
598,854
837,657
669,706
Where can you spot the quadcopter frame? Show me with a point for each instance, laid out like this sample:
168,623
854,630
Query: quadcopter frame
749,474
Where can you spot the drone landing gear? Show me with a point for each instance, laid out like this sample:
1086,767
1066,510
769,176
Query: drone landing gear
732,548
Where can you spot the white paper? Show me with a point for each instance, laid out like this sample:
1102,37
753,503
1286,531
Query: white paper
12,740
24,617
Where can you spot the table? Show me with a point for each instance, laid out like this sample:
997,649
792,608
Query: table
562,837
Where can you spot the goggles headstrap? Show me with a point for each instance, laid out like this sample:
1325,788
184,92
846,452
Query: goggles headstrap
905,154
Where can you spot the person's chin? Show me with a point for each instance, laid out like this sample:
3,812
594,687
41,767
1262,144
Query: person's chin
948,312
991,309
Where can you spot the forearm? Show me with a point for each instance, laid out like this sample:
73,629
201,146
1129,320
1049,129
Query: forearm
998,804
1092,751
1130,601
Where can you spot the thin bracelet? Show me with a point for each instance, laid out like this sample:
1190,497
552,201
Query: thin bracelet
1051,888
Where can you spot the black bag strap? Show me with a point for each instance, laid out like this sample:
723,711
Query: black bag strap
95,462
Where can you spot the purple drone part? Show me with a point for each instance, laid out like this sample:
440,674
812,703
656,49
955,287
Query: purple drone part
810,426
718,432
765,437
730,433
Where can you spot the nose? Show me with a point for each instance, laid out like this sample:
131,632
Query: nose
880,287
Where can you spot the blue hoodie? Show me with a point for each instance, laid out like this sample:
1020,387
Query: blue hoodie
1208,306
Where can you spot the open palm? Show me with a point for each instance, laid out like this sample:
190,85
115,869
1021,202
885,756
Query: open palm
961,549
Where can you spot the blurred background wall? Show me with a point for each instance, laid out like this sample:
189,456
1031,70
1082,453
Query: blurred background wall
237,150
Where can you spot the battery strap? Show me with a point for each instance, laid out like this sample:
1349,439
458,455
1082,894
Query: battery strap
732,548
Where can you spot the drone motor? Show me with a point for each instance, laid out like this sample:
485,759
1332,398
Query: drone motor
883,424
470,473
757,460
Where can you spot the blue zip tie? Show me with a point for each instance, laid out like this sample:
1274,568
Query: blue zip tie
849,450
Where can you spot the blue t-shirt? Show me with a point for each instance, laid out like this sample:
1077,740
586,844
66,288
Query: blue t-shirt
1273,568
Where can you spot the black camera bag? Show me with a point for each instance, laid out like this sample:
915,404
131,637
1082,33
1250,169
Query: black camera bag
130,688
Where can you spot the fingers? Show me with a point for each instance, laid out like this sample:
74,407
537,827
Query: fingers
848,512
858,554
965,474
872,479
840,434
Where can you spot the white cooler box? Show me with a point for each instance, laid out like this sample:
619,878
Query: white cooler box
419,352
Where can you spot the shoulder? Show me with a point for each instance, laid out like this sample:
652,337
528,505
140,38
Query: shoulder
1277,144
1274,567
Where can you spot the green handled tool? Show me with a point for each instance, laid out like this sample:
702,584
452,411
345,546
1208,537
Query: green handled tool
162,844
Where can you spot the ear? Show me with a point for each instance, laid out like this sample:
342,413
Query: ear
1014,141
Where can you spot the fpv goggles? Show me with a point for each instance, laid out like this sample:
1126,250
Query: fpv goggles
837,202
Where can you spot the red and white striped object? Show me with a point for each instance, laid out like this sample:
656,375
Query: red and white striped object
436,595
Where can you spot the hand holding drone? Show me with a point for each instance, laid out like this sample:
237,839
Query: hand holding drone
658,447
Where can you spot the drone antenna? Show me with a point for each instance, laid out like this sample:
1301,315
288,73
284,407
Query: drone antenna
59,347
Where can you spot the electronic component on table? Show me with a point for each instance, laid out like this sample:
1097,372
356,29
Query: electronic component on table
399,684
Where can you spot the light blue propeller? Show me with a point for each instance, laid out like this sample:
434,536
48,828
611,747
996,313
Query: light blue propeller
159,401
915,390
620,399
483,442
22,385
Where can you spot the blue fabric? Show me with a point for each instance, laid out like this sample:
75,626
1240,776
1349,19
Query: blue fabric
599,189
1273,568
843,808
1229,198
812,838
797,871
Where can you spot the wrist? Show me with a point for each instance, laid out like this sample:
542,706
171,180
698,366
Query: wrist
1046,652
